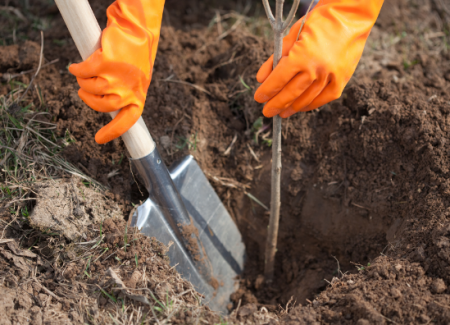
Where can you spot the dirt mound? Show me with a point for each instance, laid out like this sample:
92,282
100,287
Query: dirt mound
387,292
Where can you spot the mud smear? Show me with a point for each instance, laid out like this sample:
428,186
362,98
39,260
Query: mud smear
197,251
190,234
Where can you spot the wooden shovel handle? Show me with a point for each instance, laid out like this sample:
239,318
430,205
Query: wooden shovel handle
86,33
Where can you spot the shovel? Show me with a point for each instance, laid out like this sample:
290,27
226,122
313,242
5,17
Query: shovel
182,211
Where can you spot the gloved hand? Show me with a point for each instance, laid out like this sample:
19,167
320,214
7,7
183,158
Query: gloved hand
118,74
315,69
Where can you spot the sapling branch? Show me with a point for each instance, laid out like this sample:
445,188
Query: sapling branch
271,244
291,15
269,12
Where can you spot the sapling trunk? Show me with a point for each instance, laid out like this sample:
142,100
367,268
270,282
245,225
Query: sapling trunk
279,26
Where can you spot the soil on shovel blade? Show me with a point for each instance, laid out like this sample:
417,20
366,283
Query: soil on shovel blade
365,232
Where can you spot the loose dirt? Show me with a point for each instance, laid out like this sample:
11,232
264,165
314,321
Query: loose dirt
364,232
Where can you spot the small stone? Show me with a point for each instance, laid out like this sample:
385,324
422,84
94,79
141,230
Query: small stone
398,267
36,286
374,275
438,286
420,254
134,279
362,321
44,299
102,301
395,293
36,315
247,310
424,318
443,242
259,281
78,212
165,141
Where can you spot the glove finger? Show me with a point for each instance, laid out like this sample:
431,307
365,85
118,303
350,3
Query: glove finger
290,39
265,70
88,68
330,93
103,103
277,80
305,99
288,95
288,42
123,121
288,112
95,85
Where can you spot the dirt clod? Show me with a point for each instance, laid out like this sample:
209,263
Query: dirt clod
438,286
68,209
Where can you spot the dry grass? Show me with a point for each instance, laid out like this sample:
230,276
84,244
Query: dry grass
29,147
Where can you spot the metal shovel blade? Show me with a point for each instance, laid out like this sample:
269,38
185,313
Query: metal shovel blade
219,236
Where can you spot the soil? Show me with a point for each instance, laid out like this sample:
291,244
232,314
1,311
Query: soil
365,232
67,291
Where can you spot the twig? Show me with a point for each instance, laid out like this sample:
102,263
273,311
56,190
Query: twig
173,132
219,23
253,153
231,60
228,182
15,11
388,319
439,304
15,75
360,206
256,200
287,128
9,224
339,267
271,244
269,12
235,25
227,152
187,83
291,14
90,242
85,169
48,291
41,56
239,305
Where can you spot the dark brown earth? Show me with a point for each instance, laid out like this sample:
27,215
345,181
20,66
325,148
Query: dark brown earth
365,230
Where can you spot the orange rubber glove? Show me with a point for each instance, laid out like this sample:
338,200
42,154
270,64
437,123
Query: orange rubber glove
118,74
315,69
